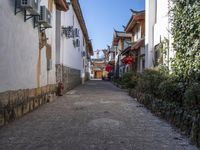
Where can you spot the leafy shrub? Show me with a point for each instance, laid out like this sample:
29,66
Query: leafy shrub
192,95
171,90
149,81
129,79
134,80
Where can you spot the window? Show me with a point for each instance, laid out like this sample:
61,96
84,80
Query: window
139,32
135,35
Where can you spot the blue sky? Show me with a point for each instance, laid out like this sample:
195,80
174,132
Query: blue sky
103,16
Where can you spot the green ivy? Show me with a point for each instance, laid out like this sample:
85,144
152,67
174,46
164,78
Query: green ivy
186,36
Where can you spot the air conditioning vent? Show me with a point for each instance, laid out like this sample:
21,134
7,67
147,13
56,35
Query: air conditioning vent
77,43
76,32
45,17
31,5
83,53
74,43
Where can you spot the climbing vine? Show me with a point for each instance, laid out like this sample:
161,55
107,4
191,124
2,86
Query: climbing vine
186,39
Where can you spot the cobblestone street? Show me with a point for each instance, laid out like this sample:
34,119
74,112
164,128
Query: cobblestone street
94,116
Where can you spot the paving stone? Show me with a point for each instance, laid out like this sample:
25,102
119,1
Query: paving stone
94,116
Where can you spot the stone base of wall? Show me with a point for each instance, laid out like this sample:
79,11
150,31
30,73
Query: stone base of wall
58,73
186,119
69,76
14,104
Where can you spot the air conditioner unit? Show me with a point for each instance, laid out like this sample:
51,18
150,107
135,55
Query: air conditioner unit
49,64
74,43
76,32
83,53
45,17
77,43
31,5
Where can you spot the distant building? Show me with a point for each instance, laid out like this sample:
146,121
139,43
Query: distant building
97,68
135,51
120,41
73,46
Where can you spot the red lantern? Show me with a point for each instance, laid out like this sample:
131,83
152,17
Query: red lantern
128,60
108,68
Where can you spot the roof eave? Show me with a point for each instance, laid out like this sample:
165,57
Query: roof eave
134,19
78,12
62,5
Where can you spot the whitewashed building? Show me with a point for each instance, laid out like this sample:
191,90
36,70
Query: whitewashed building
32,44
23,61
73,47
27,56
157,32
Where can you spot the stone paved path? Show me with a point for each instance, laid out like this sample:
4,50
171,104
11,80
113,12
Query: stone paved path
94,116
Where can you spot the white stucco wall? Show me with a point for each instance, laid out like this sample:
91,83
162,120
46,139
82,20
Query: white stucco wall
70,55
19,51
48,77
161,27
149,30
157,29
58,37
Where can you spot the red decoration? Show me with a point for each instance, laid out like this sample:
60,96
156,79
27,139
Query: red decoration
108,68
60,89
128,60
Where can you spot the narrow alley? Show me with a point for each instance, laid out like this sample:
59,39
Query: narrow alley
93,116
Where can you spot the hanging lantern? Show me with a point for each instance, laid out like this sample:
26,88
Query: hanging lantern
108,68
128,60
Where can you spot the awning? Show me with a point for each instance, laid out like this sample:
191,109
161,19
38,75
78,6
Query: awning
61,5
126,50
138,44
